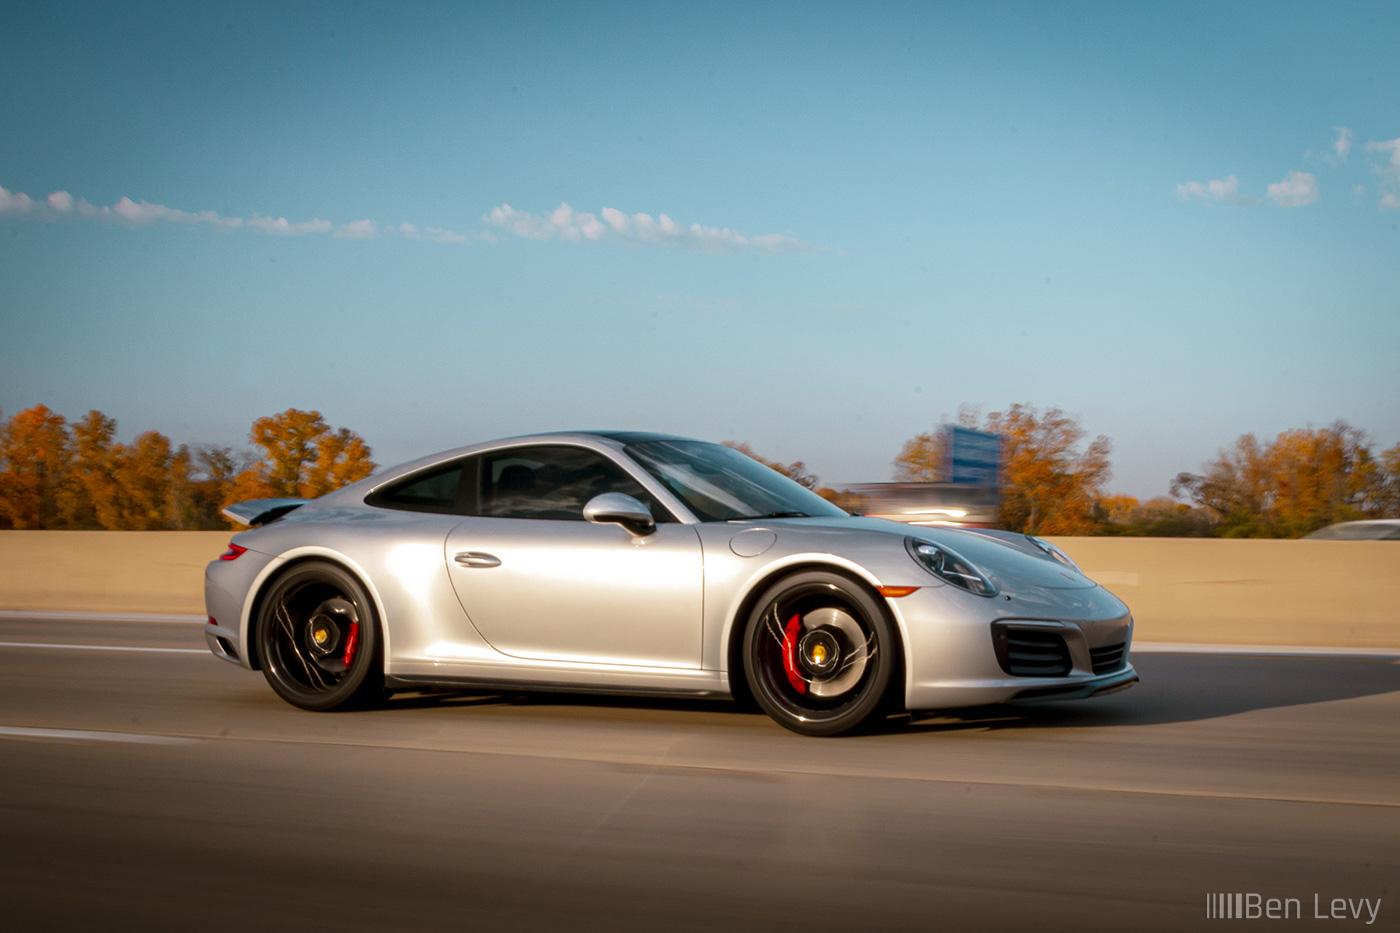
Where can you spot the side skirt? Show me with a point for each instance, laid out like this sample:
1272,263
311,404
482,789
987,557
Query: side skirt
439,682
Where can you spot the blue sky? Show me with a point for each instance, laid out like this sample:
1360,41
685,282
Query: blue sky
818,228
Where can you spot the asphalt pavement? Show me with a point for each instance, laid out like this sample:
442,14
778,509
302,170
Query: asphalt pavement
144,784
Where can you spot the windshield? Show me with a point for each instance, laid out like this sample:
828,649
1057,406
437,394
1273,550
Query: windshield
720,484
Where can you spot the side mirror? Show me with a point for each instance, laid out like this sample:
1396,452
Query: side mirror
615,508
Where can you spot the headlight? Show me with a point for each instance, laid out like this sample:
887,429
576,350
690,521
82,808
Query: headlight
949,567
1055,552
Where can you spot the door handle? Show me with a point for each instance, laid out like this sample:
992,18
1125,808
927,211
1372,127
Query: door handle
477,559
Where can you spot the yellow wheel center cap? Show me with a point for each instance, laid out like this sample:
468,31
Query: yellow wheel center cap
320,635
818,654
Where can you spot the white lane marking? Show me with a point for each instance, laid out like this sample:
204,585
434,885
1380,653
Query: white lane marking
1280,651
65,615
79,735
33,644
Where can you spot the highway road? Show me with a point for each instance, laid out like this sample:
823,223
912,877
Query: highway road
145,784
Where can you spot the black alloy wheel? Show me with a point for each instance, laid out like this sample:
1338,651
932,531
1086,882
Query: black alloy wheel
318,639
820,654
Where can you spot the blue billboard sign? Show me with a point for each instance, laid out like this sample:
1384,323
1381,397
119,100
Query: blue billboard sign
973,456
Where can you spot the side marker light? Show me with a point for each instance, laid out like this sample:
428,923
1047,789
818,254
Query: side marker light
894,592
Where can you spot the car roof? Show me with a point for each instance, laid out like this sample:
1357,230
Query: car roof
623,437
392,473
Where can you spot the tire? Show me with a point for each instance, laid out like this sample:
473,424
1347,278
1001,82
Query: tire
820,654
319,641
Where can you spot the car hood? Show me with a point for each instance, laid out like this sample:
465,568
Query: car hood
1008,565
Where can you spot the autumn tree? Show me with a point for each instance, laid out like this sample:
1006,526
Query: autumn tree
1388,487
143,473
797,472
924,457
1299,482
208,478
1160,516
36,459
302,458
1048,484
1118,509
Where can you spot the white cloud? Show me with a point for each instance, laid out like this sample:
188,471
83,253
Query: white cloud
1342,147
357,230
14,202
436,234
144,214
1389,170
1297,189
563,223
1391,146
281,227
634,230
1221,189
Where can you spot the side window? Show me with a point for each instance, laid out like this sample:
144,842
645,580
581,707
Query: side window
438,490
553,483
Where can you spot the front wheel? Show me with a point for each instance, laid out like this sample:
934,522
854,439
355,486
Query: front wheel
819,654
318,639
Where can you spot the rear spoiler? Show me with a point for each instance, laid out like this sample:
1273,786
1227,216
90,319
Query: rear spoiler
261,511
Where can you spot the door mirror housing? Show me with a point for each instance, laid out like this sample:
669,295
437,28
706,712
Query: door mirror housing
615,508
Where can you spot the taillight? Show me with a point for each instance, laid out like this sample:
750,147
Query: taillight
233,553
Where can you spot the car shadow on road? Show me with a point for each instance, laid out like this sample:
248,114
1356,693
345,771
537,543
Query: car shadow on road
1174,688
1186,688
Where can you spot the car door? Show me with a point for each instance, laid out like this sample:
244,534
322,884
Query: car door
539,582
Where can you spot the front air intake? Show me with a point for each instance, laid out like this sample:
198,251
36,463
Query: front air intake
1031,651
1108,658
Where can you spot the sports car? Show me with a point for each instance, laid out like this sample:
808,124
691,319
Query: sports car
640,563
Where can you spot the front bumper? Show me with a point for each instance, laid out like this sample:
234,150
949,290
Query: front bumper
956,658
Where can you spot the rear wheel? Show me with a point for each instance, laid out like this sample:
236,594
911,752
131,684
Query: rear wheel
819,654
318,639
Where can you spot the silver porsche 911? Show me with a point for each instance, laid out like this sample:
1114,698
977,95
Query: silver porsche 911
624,562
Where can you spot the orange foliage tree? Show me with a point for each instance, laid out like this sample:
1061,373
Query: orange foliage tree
124,487
923,459
36,455
54,474
1388,495
1160,516
1298,482
1048,484
302,458
797,472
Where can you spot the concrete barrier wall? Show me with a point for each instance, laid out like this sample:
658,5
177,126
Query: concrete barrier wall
107,571
1341,593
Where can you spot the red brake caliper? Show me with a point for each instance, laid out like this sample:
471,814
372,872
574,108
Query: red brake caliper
790,655
350,641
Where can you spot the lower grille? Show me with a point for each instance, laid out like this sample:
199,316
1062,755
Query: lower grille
1027,652
1108,658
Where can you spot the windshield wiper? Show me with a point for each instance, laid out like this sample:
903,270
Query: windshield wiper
749,518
